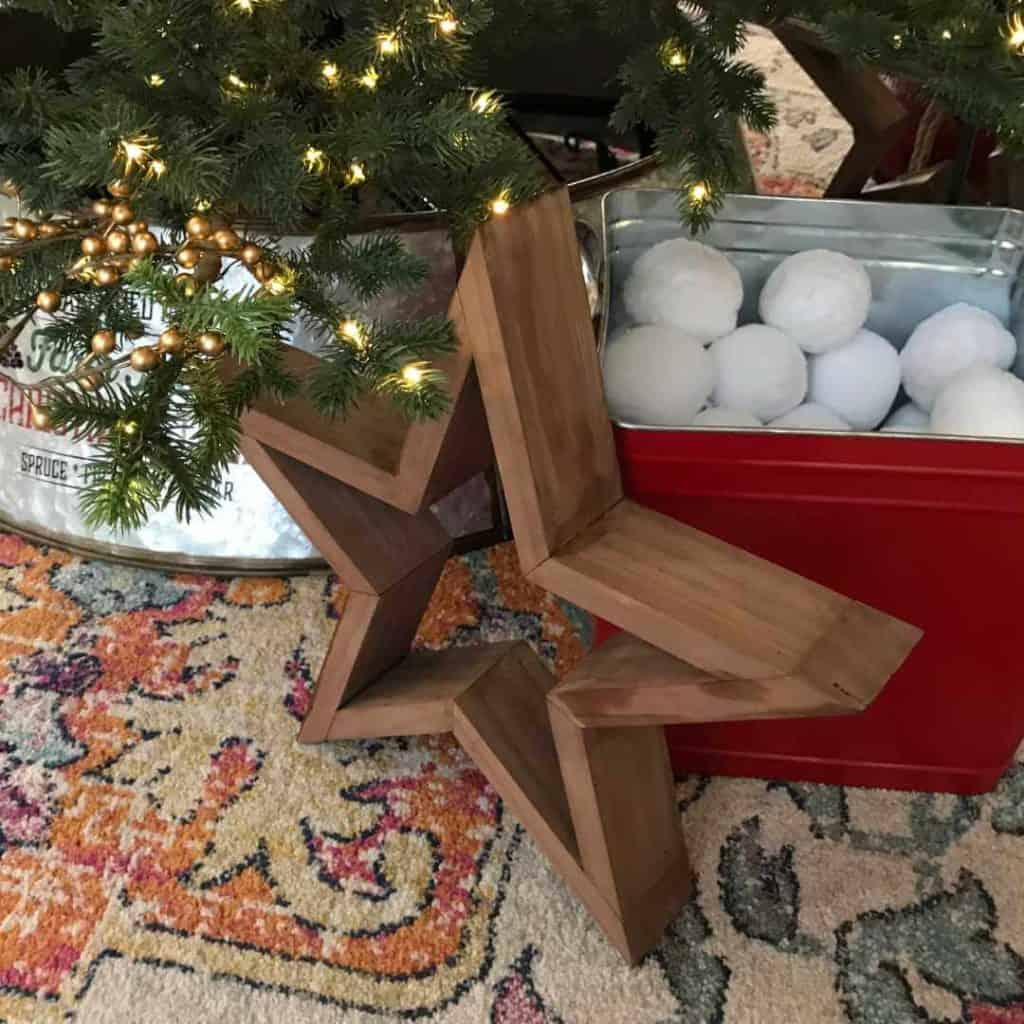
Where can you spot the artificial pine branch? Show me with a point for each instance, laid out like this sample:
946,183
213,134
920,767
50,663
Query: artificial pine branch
302,116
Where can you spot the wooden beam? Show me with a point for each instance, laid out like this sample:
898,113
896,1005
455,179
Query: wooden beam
621,795
369,544
373,448
502,719
416,697
503,723
717,606
524,307
859,93
627,682
375,633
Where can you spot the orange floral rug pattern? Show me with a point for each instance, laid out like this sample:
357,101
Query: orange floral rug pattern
153,801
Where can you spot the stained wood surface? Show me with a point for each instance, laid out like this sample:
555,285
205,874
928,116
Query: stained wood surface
373,448
362,447
703,600
374,634
417,697
371,545
864,649
627,682
859,93
466,449
621,795
524,311
581,765
505,711
502,722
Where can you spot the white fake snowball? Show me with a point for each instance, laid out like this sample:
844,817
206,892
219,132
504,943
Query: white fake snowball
685,284
858,381
720,416
657,376
953,340
810,416
819,298
981,402
760,370
908,419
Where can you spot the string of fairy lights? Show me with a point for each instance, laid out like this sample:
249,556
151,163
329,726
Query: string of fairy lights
675,58
113,240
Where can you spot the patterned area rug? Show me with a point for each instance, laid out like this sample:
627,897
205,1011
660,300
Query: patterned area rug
802,154
169,854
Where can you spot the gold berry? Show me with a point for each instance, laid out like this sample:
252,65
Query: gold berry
187,284
138,227
40,418
226,240
251,254
6,264
120,189
189,256
93,246
122,213
198,226
90,382
26,230
211,343
107,276
50,229
119,241
101,208
144,358
103,342
48,301
264,271
144,244
172,340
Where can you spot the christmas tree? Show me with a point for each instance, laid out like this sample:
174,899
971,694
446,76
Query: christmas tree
197,133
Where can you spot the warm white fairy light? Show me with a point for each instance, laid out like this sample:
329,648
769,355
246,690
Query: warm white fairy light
500,205
946,34
699,193
1015,33
387,44
245,6
673,57
136,151
484,102
236,82
155,80
446,22
356,173
330,72
314,160
201,205
897,40
157,168
369,78
351,330
412,375
129,427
